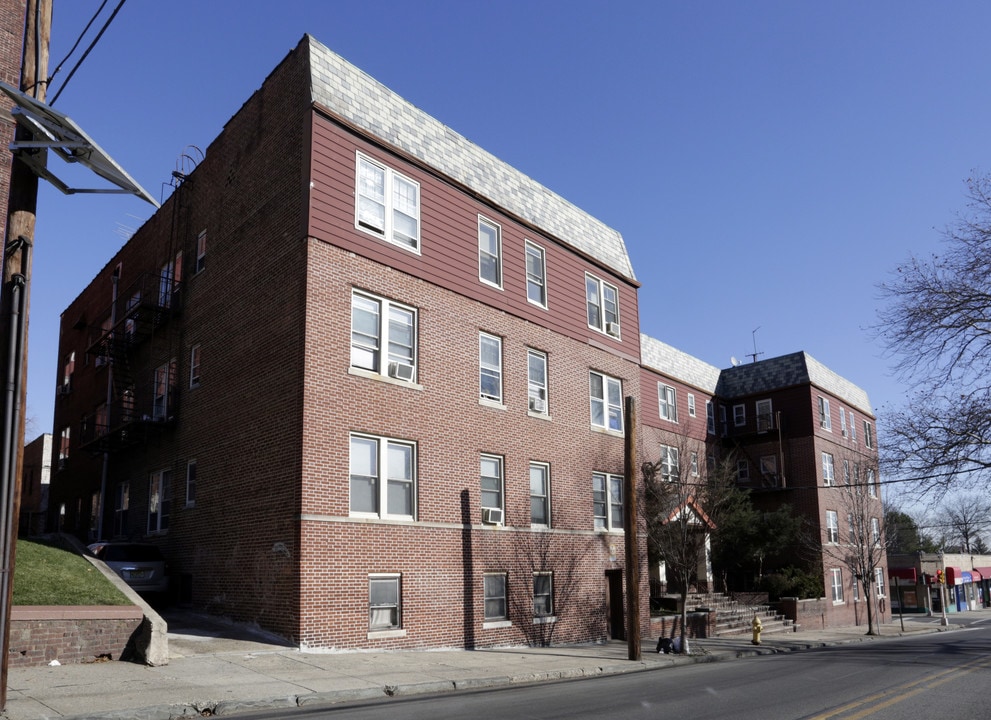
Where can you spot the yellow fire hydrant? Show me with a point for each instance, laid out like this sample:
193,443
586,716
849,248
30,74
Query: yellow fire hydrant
757,627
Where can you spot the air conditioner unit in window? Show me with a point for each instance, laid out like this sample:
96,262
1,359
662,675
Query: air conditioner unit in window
538,405
492,516
401,371
613,329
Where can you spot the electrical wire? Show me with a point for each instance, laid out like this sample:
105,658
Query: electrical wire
89,48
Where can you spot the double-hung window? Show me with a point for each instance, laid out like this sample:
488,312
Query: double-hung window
194,366
384,602
536,275
491,483
853,427
540,494
670,464
537,381
606,395
879,581
667,402
824,420
543,594
164,380
602,304
832,527
607,501
383,477
159,501
710,417
489,252
191,483
495,597
383,336
739,415
868,434
836,576
871,483
200,251
875,531
827,469
765,416
387,204
490,367
691,405
64,445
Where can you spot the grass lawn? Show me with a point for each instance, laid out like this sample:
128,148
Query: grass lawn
45,575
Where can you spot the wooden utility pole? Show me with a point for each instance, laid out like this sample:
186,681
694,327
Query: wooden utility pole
631,527
14,305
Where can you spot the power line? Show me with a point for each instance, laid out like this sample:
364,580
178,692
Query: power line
88,49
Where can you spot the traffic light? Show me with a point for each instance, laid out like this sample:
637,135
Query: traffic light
940,579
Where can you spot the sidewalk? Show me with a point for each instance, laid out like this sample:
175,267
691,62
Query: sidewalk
225,669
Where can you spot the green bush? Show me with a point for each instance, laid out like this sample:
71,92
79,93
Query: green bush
792,582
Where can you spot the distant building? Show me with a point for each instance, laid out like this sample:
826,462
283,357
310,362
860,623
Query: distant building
35,480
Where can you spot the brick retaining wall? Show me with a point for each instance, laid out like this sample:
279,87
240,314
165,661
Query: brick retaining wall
70,634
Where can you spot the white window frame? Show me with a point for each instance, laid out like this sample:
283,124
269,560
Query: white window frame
65,445
764,415
540,496
836,575
710,417
607,502
393,182
538,401
691,404
602,305
742,471
159,501
382,346
694,464
853,528
879,582
828,472
195,360
825,421
494,258
545,595
739,415
492,483
494,595
875,531
832,527
868,434
488,369
380,476
161,389
670,464
609,404
388,581
191,483
853,427
846,471
843,430
667,402
536,282
769,467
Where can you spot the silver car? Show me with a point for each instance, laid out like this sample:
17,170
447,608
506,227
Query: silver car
140,566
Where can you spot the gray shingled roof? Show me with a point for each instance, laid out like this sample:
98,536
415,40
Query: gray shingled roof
368,104
677,365
786,371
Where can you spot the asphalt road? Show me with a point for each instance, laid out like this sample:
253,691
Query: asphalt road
939,675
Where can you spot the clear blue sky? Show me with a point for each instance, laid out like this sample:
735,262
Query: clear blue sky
768,163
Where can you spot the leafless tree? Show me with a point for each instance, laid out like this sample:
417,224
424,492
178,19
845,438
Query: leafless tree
683,500
937,324
549,565
857,540
968,517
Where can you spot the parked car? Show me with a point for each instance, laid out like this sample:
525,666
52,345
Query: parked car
140,566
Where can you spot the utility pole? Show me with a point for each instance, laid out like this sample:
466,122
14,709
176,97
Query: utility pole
14,305
631,526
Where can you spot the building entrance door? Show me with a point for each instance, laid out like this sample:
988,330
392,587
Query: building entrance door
615,613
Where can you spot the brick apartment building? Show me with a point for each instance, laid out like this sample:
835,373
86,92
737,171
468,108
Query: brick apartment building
361,380
363,383
801,435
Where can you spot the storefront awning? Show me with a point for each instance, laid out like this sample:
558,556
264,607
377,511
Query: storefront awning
954,576
976,575
985,572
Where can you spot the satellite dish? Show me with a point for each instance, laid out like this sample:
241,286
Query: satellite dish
733,360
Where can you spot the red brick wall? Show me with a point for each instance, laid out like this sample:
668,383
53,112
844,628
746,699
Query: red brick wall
39,635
